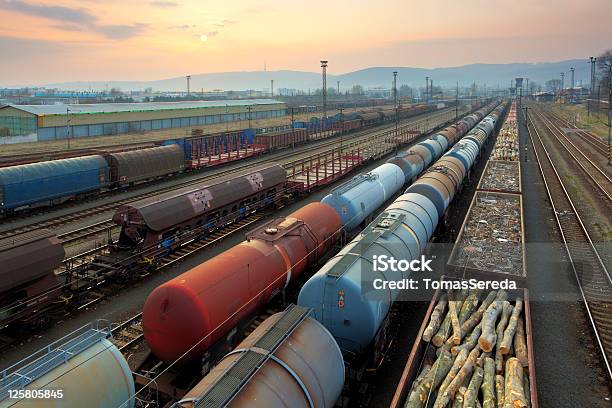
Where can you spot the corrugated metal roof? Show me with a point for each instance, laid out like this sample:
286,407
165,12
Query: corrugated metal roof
136,107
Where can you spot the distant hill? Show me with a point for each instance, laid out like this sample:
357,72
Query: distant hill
490,74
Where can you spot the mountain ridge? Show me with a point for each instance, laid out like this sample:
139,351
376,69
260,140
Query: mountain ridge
492,74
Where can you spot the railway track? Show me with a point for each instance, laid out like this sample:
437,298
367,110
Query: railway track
428,121
596,142
591,273
127,333
575,154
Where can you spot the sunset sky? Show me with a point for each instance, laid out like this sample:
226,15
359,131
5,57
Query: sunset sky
48,41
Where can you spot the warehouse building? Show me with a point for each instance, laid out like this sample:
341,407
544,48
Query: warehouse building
53,122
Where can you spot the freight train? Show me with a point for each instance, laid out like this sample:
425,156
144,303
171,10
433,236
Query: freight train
48,183
203,311
220,294
360,322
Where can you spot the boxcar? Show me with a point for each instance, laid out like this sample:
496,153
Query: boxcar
51,182
138,165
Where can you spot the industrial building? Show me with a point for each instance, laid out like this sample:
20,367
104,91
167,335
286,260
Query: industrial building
52,122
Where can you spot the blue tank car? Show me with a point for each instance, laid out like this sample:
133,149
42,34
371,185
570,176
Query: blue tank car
355,200
335,291
51,182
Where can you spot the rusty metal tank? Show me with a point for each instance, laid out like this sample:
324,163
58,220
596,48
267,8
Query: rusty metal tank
290,360
205,303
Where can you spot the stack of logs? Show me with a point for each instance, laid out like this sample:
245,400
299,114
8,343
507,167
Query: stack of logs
481,354
507,143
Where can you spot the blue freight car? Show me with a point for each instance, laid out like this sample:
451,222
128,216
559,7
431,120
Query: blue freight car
355,200
51,182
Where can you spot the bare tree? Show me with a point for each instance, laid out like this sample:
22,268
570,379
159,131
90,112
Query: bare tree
553,85
603,62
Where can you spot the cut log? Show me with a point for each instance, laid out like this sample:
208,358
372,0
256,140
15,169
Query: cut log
452,310
444,397
469,343
470,304
499,390
506,342
501,326
457,364
471,396
458,402
436,319
527,390
446,346
419,394
514,395
488,337
475,317
445,329
442,334
488,384
520,346
481,359
420,377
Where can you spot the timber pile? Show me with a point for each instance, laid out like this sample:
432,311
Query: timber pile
507,143
481,363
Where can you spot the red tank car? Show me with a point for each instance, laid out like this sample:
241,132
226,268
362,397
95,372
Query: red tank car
226,290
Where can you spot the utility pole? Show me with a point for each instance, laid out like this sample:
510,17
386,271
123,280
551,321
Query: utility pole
527,88
457,102
395,106
292,129
592,92
609,111
188,80
394,88
324,90
342,129
249,108
68,126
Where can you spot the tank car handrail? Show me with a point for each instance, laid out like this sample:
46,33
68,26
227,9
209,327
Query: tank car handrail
48,358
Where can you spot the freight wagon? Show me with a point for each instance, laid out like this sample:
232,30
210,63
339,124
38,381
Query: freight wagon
27,281
202,206
290,347
53,182
82,369
413,392
210,305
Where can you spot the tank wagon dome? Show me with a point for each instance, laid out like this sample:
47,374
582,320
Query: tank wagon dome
290,360
200,306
